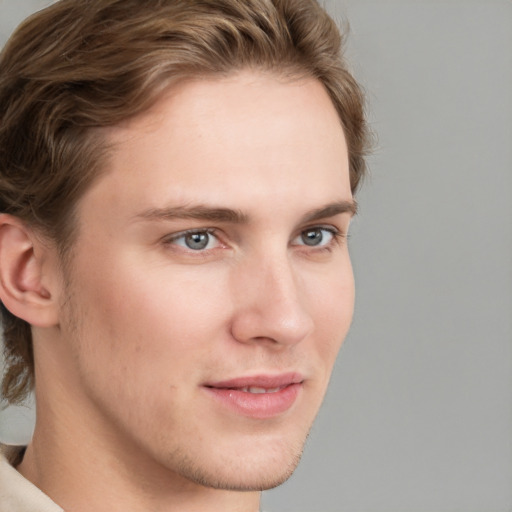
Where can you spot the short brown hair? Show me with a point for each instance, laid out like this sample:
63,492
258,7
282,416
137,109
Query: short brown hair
80,65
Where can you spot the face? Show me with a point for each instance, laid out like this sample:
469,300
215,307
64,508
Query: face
210,286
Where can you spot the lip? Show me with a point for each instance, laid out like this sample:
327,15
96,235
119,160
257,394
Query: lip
282,392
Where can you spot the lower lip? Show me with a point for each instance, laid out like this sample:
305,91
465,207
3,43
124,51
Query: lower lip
257,405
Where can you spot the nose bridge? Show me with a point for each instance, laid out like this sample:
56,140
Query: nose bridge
271,303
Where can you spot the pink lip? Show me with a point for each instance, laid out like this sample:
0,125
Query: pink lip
258,405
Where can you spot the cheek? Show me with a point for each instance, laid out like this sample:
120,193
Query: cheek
144,340
333,310
149,320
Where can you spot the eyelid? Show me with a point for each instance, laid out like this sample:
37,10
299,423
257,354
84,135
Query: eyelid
328,227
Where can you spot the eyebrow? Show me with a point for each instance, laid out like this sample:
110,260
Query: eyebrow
331,210
199,212
231,216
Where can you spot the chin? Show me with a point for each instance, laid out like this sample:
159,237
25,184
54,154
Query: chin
245,472
245,479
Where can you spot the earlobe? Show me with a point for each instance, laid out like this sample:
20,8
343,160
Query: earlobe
23,289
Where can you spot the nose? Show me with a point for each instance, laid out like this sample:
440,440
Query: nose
271,304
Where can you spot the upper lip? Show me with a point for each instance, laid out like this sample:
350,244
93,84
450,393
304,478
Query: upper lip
259,381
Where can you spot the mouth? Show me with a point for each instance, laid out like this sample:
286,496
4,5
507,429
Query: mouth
256,390
258,397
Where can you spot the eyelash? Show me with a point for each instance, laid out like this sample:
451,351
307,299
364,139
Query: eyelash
338,237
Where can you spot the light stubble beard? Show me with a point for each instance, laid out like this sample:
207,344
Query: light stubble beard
237,475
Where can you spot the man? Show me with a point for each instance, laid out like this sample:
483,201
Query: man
177,185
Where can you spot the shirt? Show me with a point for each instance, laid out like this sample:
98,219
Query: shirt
17,494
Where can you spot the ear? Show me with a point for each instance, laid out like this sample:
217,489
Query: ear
25,274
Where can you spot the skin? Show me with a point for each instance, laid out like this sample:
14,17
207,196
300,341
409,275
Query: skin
142,321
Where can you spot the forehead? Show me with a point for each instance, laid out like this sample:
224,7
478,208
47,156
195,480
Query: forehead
249,135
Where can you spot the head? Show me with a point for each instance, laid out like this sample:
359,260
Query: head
86,88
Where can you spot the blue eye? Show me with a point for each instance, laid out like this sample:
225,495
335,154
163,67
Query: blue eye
315,237
196,240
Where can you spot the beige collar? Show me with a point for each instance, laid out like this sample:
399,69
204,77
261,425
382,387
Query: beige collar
17,494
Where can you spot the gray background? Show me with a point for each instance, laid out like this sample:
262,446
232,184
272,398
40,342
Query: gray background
419,414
